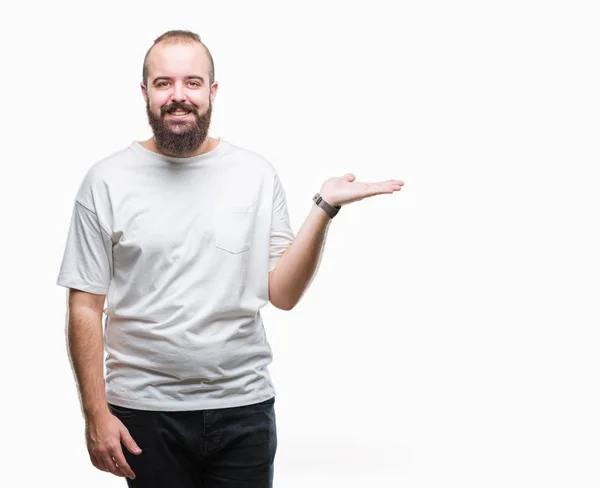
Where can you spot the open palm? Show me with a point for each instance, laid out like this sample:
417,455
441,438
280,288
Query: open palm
344,190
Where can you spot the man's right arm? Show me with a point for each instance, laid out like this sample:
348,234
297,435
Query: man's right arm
86,350
104,431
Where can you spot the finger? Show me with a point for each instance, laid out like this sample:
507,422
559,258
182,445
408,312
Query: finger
128,441
102,464
395,184
379,189
349,177
111,466
96,463
122,464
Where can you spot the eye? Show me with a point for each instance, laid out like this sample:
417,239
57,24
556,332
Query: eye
195,83
160,84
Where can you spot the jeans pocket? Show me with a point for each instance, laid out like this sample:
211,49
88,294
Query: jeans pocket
122,413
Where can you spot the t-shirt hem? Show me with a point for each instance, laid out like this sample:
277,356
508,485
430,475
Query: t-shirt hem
79,284
187,405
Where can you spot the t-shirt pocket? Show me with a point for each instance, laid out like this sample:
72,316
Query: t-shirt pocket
233,224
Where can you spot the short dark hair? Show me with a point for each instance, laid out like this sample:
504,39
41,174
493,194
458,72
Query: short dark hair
174,36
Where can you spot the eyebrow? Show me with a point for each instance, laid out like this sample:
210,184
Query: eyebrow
167,78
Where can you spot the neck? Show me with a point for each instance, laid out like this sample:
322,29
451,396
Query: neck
208,145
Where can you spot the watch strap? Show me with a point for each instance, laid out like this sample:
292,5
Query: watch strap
329,209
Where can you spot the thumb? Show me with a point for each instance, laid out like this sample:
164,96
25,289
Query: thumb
129,443
349,177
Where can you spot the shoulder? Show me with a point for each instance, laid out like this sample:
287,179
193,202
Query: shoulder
109,164
96,179
251,159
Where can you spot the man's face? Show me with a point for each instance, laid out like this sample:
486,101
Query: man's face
178,97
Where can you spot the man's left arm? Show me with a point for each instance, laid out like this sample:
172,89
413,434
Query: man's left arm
298,265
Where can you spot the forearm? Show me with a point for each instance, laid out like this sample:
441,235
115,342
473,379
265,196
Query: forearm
86,351
297,267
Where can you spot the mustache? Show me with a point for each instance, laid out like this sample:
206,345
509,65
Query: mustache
177,106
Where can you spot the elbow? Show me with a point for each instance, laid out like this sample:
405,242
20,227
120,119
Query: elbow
284,306
281,303
278,297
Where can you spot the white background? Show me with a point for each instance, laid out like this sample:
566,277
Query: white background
451,335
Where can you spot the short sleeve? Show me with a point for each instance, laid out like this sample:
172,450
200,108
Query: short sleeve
87,262
282,235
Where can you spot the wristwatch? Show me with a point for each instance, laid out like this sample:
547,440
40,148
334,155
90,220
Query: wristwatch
329,209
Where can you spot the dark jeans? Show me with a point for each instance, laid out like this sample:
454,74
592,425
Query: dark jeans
220,448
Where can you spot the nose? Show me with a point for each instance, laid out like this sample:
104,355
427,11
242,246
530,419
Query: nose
178,93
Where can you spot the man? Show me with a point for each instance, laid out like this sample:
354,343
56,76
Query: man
187,237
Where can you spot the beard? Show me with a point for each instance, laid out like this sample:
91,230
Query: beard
179,138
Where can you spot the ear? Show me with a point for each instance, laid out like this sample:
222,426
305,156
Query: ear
213,91
144,91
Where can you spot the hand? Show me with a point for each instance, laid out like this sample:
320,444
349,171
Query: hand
342,191
104,434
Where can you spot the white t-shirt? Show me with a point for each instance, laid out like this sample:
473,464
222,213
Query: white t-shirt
182,247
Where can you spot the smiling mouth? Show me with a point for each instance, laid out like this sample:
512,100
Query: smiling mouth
178,113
